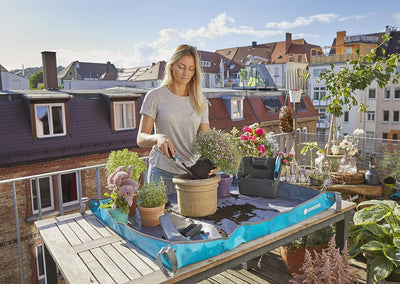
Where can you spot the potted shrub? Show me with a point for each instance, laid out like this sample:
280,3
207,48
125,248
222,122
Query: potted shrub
123,188
126,158
198,197
151,202
293,253
328,266
376,235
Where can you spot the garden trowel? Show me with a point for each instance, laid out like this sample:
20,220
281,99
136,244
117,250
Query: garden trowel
179,164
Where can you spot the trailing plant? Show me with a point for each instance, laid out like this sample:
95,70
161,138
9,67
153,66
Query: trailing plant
216,146
122,187
152,194
376,234
329,266
125,158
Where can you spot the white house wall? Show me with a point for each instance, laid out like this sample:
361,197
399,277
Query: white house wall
95,84
11,81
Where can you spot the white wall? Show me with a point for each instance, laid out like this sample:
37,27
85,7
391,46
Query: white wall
11,81
95,84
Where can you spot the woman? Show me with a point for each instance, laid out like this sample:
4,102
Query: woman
179,111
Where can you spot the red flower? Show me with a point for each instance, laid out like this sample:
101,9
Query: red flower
244,137
261,149
247,129
259,131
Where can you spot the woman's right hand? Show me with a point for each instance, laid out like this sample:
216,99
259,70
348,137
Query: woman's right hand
165,145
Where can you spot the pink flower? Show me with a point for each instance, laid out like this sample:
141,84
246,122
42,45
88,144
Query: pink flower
259,131
244,137
291,155
247,129
261,149
254,138
285,161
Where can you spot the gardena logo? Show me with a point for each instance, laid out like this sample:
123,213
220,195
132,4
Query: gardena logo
308,210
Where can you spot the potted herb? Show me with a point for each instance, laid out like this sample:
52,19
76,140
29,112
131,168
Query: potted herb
126,158
328,266
151,202
122,188
376,235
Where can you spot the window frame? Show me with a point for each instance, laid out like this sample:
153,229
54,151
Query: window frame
239,114
346,116
115,104
396,95
50,107
369,94
396,113
386,94
371,116
318,93
388,116
33,195
73,202
43,261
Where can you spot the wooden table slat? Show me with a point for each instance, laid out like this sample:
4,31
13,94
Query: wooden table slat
112,268
88,228
69,233
82,235
96,243
98,225
98,270
141,263
123,264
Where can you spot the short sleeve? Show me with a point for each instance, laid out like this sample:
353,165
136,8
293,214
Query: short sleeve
204,117
149,105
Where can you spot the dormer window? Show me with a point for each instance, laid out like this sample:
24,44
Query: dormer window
124,115
236,109
50,120
48,114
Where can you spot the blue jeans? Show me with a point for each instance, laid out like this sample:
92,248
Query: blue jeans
155,173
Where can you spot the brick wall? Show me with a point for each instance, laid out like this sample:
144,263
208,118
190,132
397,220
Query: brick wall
10,272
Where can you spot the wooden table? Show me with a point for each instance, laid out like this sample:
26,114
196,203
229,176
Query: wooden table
362,190
85,250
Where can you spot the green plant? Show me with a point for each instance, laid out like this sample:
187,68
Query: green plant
357,74
376,234
122,187
329,266
316,238
125,158
309,147
152,194
216,146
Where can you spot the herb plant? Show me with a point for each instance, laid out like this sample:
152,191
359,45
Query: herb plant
152,194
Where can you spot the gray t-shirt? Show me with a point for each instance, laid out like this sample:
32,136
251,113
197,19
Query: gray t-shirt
175,117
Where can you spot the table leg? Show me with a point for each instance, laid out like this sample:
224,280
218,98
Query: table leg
342,230
51,268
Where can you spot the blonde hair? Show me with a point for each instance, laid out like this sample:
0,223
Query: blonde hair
194,86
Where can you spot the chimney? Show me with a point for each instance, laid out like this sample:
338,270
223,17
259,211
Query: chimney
1,85
288,41
49,70
340,42
108,69
253,44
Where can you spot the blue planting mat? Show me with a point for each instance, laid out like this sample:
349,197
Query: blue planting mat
266,215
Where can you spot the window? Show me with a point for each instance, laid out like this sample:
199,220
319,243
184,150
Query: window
276,72
124,115
346,116
236,109
395,136
371,93
318,71
299,58
50,120
396,116
205,63
386,94
386,115
305,129
228,52
371,116
369,134
69,189
46,194
319,93
322,112
397,93
40,264
385,135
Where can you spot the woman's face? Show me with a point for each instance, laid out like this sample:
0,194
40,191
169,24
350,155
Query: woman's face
183,70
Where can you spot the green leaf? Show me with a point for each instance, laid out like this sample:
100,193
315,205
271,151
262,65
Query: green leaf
380,268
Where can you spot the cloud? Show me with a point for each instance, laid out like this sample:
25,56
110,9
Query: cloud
396,16
302,21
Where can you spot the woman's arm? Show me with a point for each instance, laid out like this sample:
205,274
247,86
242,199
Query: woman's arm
146,140
204,127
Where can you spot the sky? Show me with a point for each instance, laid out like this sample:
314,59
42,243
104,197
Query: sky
131,33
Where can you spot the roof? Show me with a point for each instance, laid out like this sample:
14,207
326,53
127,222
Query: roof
2,69
392,46
89,119
155,72
86,70
130,74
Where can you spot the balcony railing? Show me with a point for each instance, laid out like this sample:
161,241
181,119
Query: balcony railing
327,59
388,148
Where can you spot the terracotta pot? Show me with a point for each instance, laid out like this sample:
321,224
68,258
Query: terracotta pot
132,209
294,258
149,216
196,197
